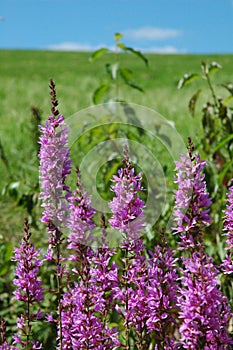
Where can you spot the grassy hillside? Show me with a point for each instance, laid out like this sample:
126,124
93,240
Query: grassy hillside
24,79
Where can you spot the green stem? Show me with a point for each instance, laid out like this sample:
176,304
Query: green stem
212,90
117,80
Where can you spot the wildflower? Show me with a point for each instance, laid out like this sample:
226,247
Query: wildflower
28,287
130,291
80,220
204,310
55,165
87,304
126,206
162,292
191,199
128,218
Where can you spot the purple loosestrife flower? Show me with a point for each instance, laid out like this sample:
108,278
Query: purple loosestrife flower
86,305
80,220
82,328
127,207
28,287
228,229
204,310
128,218
131,292
191,199
55,165
162,294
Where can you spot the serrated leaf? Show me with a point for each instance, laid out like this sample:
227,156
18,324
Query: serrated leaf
193,101
229,87
97,54
118,36
100,92
137,53
213,67
187,79
126,74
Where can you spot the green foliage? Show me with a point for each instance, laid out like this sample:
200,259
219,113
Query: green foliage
116,74
215,141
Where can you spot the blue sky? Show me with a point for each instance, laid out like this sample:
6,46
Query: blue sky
165,26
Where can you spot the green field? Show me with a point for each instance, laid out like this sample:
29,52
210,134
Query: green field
24,80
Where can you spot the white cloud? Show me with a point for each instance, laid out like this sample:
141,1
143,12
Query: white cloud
163,50
151,33
72,46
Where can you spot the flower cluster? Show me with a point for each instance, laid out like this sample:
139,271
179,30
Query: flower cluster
204,310
126,206
192,200
28,287
55,165
162,290
86,306
80,222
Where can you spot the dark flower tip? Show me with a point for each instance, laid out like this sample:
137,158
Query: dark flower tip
54,101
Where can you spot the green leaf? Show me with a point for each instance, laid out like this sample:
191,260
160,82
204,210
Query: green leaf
118,36
224,170
121,46
229,87
222,143
97,54
193,101
100,92
227,100
213,67
135,52
126,74
187,79
134,86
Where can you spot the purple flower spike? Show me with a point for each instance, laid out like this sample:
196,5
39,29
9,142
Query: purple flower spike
162,290
55,165
127,207
81,215
28,286
192,200
205,312
28,289
86,306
